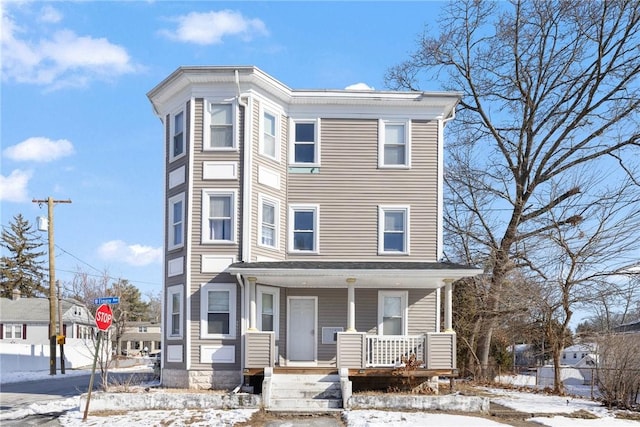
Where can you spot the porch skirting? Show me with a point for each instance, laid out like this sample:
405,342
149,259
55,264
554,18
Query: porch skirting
200,380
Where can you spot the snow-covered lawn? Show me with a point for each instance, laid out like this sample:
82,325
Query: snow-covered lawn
558,409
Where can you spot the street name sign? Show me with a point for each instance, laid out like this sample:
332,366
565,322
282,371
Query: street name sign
106,300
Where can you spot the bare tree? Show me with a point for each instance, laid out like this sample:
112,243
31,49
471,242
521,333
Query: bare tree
618,370
550,89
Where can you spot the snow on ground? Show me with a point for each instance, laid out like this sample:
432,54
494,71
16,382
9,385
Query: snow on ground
532,403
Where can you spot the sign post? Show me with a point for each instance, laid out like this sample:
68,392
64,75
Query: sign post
104,316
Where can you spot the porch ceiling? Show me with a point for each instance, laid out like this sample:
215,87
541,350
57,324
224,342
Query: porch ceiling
328,274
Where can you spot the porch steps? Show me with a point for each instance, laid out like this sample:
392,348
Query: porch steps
305,393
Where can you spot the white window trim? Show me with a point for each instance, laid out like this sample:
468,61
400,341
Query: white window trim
261,289
172,125
206,193
261,150
261,200
170,222
13,327
206,134
292,142
407,244
204,309
381,142
171,291
404,298
316,227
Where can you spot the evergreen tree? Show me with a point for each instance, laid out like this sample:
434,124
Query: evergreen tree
21,266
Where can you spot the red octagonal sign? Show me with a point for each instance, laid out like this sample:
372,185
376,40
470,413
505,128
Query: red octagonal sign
104,315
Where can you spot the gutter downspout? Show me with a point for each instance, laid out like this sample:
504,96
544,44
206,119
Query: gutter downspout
243,310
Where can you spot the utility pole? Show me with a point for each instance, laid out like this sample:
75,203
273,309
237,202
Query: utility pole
52,283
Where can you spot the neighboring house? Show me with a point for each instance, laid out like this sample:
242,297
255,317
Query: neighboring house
628,327
303,228
578,354
139,336
26,320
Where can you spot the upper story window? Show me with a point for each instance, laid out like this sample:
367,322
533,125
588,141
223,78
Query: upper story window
394,144
174,311
176,221
393,233
269,145
221,132
306,143
268,220
177,141
142,329
218,216
303,234
218,310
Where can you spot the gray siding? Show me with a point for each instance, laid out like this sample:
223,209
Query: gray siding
349,172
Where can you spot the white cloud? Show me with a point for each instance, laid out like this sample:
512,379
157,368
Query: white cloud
39,149
63,60
13,188
50,14
359,86
210,27
132,254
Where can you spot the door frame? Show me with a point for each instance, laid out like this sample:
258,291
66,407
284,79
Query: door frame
313,362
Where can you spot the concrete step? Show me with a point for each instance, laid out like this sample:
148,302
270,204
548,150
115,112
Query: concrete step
282,404
299,378
333,392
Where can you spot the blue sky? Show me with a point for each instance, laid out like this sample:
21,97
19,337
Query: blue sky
76,123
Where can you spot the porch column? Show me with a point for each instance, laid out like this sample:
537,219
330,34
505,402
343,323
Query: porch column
351,307
252,304
448,305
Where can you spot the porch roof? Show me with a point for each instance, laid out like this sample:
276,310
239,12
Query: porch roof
369,274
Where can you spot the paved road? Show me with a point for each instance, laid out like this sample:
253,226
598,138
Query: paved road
16,395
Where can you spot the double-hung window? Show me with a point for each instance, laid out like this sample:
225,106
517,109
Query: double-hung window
176,221
268,303
221,133
12,331
174,311
177,142
392,313
218,310
393,233
219,216
394,144
306,150
303,233
269,143
268,219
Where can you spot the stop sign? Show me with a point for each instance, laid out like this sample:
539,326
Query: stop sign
104,315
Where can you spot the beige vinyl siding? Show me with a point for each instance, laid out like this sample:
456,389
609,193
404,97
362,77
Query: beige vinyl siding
199,249
349,172
421,307
279,195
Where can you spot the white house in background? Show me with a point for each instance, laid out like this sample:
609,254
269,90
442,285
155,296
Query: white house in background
578,355
26,320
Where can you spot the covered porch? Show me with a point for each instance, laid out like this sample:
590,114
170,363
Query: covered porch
390,337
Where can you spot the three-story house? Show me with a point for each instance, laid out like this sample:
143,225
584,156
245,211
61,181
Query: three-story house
303,228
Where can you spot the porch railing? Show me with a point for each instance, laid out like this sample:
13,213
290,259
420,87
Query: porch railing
436,350
388,350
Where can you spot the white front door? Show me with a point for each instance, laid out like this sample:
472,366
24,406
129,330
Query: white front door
301,331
